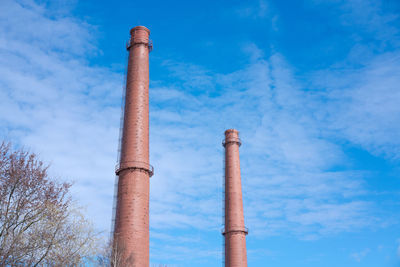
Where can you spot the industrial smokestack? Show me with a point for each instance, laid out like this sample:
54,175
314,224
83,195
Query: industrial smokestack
234,232
131,230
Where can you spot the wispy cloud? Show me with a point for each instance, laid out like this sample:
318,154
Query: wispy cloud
254,9
358,256
52,101
366,18
365,106
287,158
363,88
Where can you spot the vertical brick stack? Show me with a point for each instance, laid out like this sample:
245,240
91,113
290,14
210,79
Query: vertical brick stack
131,232
235,232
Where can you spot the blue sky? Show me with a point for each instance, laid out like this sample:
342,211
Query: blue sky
312,86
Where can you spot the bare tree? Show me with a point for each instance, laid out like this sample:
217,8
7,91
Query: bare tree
38,223
113,255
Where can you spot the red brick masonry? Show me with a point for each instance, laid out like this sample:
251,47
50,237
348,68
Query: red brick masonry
131,233
235,231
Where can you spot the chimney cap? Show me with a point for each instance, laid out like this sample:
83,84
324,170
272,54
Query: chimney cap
139,28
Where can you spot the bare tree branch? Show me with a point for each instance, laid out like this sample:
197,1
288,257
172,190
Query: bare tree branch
39,226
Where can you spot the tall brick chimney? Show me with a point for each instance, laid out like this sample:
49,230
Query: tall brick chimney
131,228
234,232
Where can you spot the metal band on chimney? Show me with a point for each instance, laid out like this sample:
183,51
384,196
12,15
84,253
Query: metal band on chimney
148,43
236,231
232,140
134,165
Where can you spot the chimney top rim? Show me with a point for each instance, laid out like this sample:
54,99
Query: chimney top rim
139,28
231,131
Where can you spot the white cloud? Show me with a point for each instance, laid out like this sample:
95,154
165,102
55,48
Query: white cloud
258,9
286,158
53,102
358,256
361,91
365,18
364,106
